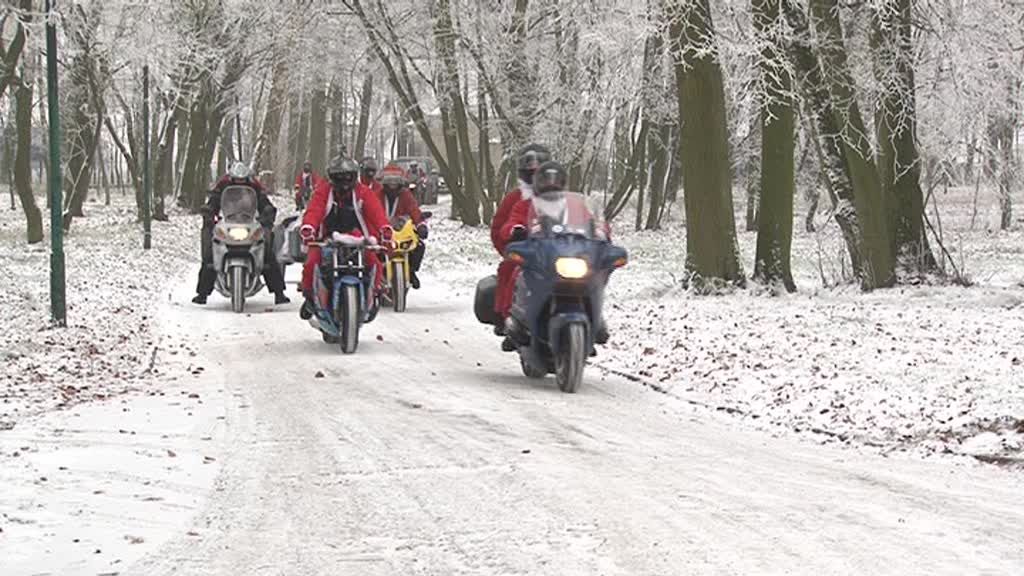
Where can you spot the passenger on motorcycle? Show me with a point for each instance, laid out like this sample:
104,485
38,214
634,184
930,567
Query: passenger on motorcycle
340,205
305,183
239,175
549,184
530,158
399,202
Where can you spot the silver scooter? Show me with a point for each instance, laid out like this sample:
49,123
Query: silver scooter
238,246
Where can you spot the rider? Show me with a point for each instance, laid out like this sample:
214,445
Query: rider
530,158
368,175
239,175
341,206
549,180
305,183
399,202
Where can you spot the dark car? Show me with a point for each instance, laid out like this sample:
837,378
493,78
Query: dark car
429,182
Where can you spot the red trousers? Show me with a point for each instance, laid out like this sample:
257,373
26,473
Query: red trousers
507,274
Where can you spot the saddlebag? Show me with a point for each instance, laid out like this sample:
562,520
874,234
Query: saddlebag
483,302
290,249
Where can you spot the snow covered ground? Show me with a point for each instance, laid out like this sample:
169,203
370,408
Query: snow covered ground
113,288
252,447
929,369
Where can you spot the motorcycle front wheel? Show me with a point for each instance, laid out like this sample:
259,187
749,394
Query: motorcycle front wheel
238,289
572,357
398,290
349,319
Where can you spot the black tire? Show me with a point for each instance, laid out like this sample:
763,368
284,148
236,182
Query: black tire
238,289
348,319
572,357
398,287
529,370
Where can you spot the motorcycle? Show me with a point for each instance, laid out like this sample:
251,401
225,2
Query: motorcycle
238,246
343,290
398,270
565,261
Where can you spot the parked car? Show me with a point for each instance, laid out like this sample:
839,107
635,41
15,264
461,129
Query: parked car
428,182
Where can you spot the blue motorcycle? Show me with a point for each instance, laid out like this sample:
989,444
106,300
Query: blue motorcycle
565,261
343,290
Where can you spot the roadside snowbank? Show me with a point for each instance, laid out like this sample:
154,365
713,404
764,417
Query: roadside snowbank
113,287
928,369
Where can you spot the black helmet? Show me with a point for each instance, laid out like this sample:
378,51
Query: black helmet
368,167
343,172
550,177
530,158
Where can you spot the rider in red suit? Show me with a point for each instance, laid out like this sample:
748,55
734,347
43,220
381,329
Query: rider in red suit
308,179
341,206
399,202
530,158
549,180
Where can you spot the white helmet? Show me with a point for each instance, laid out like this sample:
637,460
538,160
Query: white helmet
240,171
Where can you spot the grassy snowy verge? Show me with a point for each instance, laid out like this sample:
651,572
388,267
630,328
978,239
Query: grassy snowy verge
113,289
928,369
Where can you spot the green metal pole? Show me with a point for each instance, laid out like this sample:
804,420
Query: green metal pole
58,307
147,192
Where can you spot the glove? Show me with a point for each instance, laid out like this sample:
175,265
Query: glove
307,233
518,233
422,230
387,234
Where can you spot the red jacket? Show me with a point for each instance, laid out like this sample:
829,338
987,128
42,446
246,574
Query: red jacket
520,215
508,203
298,183
405,205
367,207
373,185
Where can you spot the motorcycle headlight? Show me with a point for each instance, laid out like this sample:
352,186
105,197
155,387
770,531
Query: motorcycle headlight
238,234
572,268
405,245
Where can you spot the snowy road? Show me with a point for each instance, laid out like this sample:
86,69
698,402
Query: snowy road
427,453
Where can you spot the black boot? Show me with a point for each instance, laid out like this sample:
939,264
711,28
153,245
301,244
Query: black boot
280,298
307,309
508,345
199,299
601,335
414,280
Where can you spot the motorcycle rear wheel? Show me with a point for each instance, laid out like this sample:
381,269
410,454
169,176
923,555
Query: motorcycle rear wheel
238,289
349,319
572,357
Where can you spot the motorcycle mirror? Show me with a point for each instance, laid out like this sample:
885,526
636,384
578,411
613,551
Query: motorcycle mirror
614,257
518,252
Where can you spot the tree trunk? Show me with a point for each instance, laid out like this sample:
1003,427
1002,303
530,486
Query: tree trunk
712,255
899,163
336,103
23,163
365,102
877,265
265,151
753,165
777,175
444,36
857,194
318,129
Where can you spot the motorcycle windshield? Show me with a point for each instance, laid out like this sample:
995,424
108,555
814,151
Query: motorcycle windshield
566,213
238,204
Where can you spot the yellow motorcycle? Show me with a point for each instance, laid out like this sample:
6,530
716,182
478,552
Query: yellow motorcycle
398,270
